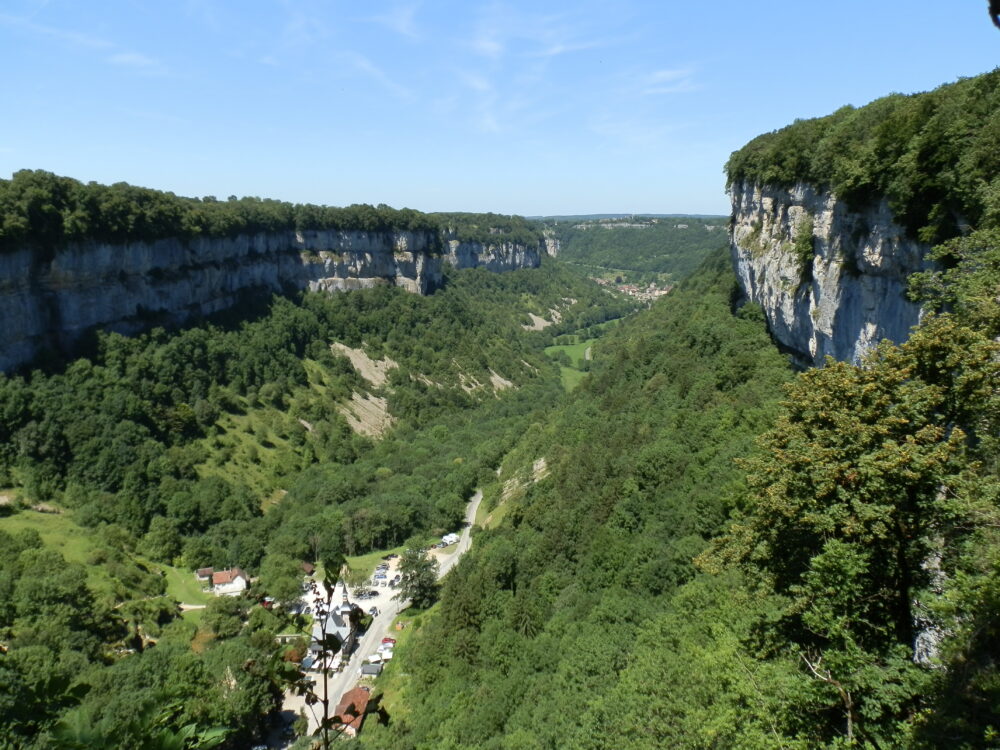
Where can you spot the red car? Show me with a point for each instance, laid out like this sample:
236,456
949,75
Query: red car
389,640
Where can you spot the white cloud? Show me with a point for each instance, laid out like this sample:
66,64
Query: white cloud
132,60
401,19
487,45
366,66
475,81
78,38
137,62
676,81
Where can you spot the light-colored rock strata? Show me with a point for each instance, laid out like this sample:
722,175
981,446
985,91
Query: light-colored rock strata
52,299
853,292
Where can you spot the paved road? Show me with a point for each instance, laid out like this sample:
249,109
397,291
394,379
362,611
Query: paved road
389,609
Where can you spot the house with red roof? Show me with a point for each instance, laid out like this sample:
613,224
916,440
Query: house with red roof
229,582
351,710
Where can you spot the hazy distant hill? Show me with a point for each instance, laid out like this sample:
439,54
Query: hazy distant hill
639,248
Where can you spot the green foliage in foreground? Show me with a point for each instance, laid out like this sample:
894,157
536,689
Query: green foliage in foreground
935,156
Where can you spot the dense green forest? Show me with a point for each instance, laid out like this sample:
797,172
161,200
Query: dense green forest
639,249
537,623
42,210
834,587
935,156
226,444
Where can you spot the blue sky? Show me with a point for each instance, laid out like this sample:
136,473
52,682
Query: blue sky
516,107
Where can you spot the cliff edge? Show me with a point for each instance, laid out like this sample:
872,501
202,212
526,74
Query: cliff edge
831,280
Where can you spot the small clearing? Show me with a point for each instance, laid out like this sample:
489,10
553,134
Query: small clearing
367,415
468,383
375,371
499,382
539,470
537,323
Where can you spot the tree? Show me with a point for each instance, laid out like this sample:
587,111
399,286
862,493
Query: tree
163,541
225,616
418,578
281,577
861,492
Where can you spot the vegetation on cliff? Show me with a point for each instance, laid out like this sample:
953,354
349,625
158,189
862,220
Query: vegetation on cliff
935,156
41,210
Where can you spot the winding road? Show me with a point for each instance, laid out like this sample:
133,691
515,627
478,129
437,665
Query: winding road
343,681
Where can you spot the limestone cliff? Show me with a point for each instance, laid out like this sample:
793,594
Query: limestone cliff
831,281
50,301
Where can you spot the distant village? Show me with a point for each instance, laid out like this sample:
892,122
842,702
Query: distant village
637,222
643,293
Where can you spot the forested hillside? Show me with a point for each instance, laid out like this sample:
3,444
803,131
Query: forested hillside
230,443
639,249
536,627
847,600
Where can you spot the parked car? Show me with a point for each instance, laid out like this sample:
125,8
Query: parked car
373,611
389,640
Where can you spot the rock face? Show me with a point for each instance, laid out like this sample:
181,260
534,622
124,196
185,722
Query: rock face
842,296
51,301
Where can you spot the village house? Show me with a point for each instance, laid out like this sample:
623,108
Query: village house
351,710
229,582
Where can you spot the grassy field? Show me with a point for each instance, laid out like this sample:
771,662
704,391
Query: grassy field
495,516
575,352
571,376
368,562
184,587
59,532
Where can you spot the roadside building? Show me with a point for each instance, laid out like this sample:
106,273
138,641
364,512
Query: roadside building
351,710
340,623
